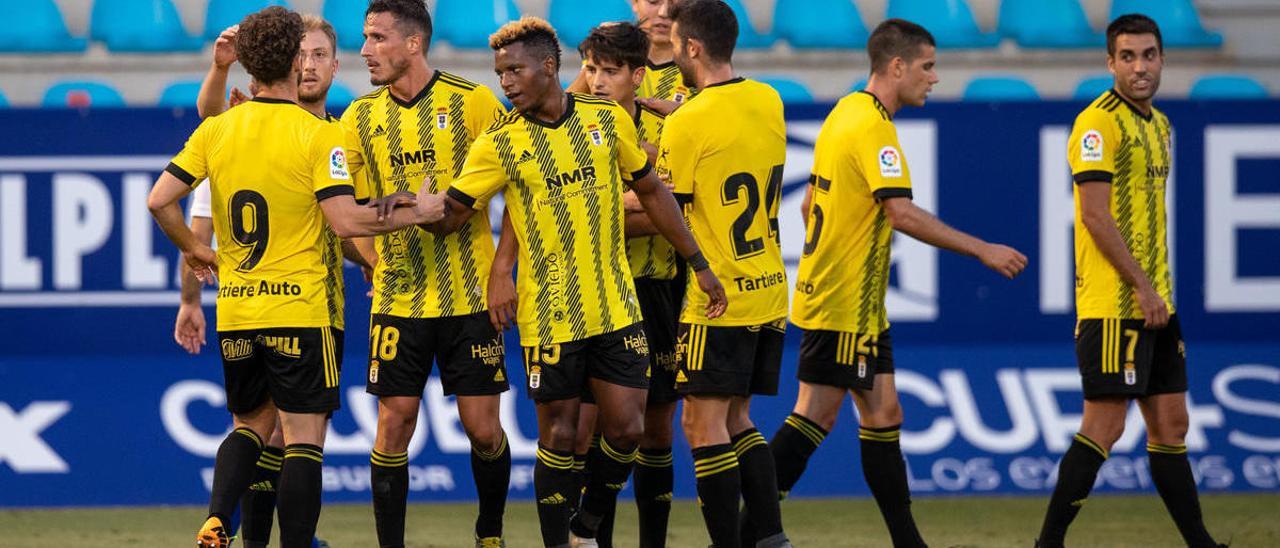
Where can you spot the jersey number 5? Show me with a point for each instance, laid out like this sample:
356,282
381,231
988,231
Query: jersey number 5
249,226
734,187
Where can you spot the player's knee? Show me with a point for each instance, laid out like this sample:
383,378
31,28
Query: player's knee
657,434
486,436
396,426
887,415
1169,431
824,417
1103,432
625,432
559,434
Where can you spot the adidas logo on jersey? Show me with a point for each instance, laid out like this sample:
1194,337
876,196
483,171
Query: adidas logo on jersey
525,157
378,131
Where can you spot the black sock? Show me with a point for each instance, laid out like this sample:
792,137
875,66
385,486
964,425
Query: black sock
389,478
492,473
719,488
580,474
1177,486
1076,474
258,505
654,480
886,475
610,467
792,445
298,500
553,482
759,482
233,470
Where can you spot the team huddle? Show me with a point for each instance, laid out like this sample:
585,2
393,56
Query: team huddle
639,258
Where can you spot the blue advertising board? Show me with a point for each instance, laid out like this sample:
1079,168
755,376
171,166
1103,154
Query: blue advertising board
98,406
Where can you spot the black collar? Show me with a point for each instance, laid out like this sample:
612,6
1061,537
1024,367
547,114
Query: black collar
1132,106
568,111
876,100
411,102
726,82
273,101
656,66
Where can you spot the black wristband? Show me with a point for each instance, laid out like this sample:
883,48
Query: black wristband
697,262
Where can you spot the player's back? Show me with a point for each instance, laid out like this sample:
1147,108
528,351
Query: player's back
262,159
724,150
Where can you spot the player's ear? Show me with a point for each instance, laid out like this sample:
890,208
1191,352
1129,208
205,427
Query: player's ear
637,76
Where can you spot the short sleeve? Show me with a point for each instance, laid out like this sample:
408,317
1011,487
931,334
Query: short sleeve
330,175
482,175
202,202
1092,146
483,111
882,162
191,165
633,163
677,156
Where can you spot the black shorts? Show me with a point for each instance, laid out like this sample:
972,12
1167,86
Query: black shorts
660,319
560,371
730,361
298,368
843,359
468,349
1120,358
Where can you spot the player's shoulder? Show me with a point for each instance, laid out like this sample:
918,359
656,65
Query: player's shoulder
591,102
451,80
647,113
1102,109
861,108
505,123
371,97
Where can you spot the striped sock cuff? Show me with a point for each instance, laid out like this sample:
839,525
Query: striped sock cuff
595,440
304,451
490,456
579,462
558,460
709,461
655,458
257,440
389,460
616,455
1083,439
1180,449
888,434
808,428
271,458
747,440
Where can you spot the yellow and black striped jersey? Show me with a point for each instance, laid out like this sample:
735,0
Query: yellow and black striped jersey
844,268
395,145
651,256
724,151
1113,142
564,182
270,163
664,82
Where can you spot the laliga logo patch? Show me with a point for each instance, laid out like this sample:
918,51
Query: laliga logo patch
890,162
338,164
594,131
442,118
1091,146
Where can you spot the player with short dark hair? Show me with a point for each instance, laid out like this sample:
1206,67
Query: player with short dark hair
1128,339
428,291
859,193
271,198
563,160
723,151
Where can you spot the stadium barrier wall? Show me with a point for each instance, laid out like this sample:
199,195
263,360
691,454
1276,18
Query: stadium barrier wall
98,406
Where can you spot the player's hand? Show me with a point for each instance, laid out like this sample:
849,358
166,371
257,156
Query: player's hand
237,98
430,207
224,48
502,300
1154,311
717,302
188,330
663,106
631,202
1003,259
390,202
204,264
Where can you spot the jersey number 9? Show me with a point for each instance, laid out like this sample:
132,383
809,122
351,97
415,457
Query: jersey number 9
249,226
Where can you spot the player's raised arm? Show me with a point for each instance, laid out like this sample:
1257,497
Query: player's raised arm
213,90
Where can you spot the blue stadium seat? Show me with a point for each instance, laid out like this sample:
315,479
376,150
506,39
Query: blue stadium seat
4,101
224,13
81,93
790,90
1055,24
1227,86
950,21
36,26
141,26
573,19
347,18
1178,19
859,85
468,23
184,93
339,96
819,24
1000,88
1093,86
749,37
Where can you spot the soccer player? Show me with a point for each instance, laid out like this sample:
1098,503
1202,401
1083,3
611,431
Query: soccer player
429,291
1128,340
724,151
859,193
562,160
277,173
319,65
